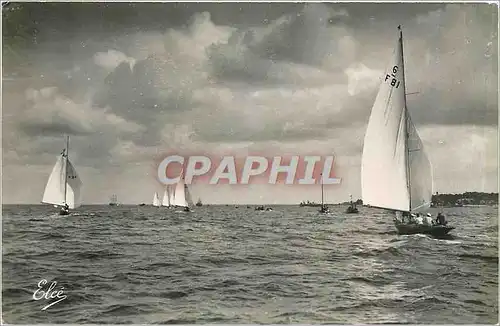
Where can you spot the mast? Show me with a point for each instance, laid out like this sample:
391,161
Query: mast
66,169
407,118
322,204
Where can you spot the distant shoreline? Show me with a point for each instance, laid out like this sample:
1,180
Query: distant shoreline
252,205
466,199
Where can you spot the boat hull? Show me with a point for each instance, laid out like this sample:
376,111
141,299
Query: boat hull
324,210
435,230
63,212
351,210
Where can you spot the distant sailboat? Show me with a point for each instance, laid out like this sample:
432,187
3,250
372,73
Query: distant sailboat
156,200
199,203
166,198
64,185
352,209
181,195
396,173
324,209
113,201
171,195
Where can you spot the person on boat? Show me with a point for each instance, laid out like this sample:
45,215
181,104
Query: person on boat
440,219
419,219
428,219
404,216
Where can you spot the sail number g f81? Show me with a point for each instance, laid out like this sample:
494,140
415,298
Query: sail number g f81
394,81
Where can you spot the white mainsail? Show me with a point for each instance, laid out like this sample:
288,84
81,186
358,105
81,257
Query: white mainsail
166,199
189,198
63,178
171,195
180,194
156,200
395,171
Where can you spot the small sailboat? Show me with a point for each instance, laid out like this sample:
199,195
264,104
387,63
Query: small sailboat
64,185
324,209
352,209
181,196
396,173
199,203
113,201
166,197
156,200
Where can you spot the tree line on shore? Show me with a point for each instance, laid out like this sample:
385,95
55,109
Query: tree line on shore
466,198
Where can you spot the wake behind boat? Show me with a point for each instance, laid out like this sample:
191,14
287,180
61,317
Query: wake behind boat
64,185
396,173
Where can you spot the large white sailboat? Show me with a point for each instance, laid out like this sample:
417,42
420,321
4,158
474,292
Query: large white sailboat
64,185
396,173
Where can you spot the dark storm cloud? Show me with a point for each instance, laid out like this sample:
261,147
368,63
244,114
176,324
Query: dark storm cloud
112,59
52,128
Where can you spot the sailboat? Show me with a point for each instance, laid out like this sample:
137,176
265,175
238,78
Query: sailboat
171,195
396,173
156,200
352,209
166,197
113,201
324,209
181,196
64,185
199,203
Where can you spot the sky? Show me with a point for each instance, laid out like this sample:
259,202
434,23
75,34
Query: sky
130,82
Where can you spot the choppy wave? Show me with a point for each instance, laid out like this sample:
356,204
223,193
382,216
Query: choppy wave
228,265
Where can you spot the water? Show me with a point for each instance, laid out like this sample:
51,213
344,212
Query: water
236,265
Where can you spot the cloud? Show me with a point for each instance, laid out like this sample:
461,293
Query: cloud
303,78
111,59
48,116
462,154
50,113
220,72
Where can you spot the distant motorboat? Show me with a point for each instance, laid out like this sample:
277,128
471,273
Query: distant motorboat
262,208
